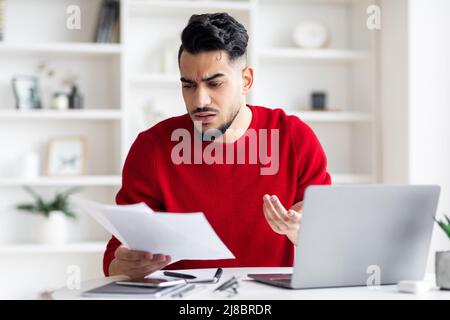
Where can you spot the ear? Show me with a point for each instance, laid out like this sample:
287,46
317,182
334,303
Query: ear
247,77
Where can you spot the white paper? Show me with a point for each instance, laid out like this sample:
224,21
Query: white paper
180,235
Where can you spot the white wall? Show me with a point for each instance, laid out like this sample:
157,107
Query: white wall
429,96
415,78
394,91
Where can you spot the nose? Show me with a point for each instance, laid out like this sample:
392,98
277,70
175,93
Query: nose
201,98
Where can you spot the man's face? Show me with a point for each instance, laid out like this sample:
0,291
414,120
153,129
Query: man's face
212,88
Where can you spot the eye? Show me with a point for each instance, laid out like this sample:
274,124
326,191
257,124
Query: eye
215,84
188,85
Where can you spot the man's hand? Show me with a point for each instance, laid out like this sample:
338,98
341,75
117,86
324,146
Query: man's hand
282,221
136,264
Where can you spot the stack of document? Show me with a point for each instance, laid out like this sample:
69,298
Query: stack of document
180,235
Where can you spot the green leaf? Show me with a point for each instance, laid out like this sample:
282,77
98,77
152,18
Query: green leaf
26,207
444,226
59,203
447,218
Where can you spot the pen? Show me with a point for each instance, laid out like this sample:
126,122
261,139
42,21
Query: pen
179,275
226,284
217,275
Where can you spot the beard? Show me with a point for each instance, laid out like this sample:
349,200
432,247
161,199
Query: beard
212,134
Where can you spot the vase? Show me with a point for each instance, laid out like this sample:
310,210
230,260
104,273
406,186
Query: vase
442,264
55,228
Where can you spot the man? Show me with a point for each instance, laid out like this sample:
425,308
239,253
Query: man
246,167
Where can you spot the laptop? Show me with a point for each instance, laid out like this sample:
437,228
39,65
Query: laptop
355,235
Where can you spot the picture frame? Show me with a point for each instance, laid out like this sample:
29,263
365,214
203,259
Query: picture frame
26,92
66,156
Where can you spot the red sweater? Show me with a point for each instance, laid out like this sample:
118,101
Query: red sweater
229,194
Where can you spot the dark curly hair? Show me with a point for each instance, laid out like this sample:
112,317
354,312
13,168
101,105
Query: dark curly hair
214,31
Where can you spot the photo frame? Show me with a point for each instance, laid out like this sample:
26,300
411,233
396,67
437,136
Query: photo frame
66,156
26,92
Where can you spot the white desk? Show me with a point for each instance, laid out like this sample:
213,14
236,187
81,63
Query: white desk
250,289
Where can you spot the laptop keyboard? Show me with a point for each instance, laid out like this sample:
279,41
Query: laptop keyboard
283,279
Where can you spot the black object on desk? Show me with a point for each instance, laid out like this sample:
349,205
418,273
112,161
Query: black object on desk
233,283
193,279
179,275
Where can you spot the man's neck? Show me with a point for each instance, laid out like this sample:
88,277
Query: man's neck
239,126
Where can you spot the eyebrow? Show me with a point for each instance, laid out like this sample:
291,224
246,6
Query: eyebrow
214,76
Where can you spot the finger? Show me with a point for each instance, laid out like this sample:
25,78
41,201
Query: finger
294,216
274,213
160,258
132,255
298,206
273,221
136,264
279,208
269,218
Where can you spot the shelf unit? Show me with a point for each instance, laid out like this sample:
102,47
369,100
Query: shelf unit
87,181
60,115
88,49
346,69
330,55
127,88
82,247
97,68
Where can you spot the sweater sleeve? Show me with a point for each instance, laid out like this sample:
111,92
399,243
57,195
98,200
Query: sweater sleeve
310,157
139,176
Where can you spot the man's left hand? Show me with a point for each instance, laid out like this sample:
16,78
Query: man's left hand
281,220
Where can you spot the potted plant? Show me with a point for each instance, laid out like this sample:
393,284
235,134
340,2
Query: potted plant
442,262
56,211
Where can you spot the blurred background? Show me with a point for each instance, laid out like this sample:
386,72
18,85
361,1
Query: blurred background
80,78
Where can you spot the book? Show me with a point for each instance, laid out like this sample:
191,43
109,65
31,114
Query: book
108,17
115,35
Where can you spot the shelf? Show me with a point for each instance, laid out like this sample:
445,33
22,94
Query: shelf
352,179
155,78
103,49
299,2
62,181
333,116
80,247
313,54
143,6
45,114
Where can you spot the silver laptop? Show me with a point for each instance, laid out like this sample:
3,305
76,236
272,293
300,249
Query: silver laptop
355,235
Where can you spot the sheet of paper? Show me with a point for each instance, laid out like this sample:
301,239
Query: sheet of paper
180,235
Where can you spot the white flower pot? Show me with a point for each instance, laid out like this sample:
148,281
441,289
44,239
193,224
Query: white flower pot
55,228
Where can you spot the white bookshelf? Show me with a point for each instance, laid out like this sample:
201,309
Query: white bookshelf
347,70
61,115
131,72
97,68
120,81
75,248
155,78
103,49
86,181
330,55
334,116
201,5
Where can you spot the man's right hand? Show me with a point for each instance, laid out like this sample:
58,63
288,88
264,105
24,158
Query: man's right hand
136,264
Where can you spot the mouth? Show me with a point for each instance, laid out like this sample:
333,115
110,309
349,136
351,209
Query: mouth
205,117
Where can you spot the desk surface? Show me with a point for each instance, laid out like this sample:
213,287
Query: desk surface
250,289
